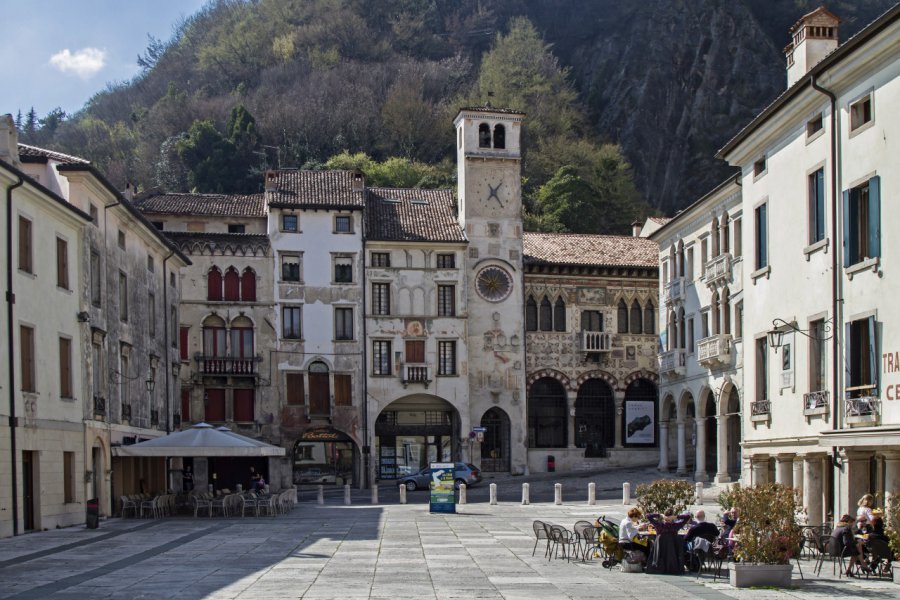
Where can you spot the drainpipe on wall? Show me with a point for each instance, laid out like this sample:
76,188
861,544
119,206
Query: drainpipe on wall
367,447
836,298
167,343
10,303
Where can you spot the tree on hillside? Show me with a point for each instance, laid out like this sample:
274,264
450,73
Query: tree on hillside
29,129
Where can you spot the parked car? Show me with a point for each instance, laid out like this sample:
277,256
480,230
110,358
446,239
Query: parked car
462,473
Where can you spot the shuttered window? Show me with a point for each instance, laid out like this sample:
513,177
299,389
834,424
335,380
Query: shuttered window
25,252
62,264
294,386
26,351
415,351
185,405
183,342
319,394
343,391
65,368
243,405
215,405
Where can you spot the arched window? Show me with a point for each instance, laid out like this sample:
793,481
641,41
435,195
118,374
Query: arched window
484,136
649,318
232,285
726,312
681,329
673,267
531,314
635,320
319,389
559,315
214,337
546,315
680,258
241,338
248,285
714,236
214,285
714,310
672,337
623,317
499,136
595,417
725,233
547,414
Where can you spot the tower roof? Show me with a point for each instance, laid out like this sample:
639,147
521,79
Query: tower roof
819,16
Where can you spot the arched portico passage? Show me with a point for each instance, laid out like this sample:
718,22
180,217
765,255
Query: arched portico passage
595,414
495,449
414,431
324,455
547,414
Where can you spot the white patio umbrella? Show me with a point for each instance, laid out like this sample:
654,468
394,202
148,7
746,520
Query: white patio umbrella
201,440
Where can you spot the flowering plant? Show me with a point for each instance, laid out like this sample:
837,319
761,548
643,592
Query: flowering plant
767,531
662,494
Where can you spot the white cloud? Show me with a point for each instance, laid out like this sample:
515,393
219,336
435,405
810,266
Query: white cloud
84,63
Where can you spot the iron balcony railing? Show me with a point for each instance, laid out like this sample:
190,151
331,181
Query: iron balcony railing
227,365
760,407
416,373
718,270
863,406
596,341
100,406
672,362
675,290
814,400
714,349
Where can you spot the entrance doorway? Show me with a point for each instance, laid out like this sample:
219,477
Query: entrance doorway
412,432
495,447
28,469
595,413
324,455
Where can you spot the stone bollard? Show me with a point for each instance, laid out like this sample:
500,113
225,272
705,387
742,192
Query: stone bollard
592,493
402,494
526,489
321,496
462,493
374,493
347,494
626,493
557,493
493,493
699,494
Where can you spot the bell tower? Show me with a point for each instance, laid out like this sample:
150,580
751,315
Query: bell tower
488,150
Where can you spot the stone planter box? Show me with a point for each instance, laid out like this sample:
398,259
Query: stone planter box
747,574
895,571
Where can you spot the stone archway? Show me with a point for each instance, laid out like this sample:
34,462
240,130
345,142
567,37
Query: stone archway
732,415
414,431
547,414
668,439
495,449
595,418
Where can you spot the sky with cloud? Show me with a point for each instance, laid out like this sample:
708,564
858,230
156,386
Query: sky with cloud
59,53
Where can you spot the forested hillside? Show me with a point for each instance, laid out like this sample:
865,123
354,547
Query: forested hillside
627,101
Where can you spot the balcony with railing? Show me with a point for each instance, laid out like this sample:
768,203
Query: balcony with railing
596,341
714,350
672,363
862,406
99,406
675,291
228,365
815,403
416,373
760,410
718,270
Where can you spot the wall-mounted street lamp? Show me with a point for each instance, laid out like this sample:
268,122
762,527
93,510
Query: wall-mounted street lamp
780,327
150,382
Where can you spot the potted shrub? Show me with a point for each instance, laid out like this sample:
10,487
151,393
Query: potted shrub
663,494
892,530
768,535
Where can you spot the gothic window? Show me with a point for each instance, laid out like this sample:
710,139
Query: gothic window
547,414
714,236
214,337
681,329
725,234
714,309
232,285
531,314
672,338
635,317
559,314
680,258
214,285
591,320
248,285
499,136
649,318
623,317
546,315
484,136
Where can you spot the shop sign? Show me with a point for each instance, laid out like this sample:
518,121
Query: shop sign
891,364
443,495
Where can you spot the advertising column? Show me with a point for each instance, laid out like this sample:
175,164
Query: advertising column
443,495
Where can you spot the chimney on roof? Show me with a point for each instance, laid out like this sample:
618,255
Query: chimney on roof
813,37
9,141
636,229
359,182
129,192
271,180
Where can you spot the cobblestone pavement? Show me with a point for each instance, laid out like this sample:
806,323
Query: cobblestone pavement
359,551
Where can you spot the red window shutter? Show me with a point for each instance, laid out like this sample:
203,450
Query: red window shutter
232,285
214,285
215,405
415,351
186,405
294,384
183,342
243,405
343,393
248,286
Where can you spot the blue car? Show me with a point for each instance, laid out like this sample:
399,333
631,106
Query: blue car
462,473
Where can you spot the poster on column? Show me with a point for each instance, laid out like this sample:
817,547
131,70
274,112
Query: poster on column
640,422
443,494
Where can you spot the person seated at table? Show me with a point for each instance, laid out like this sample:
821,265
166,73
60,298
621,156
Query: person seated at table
842,538
629,529
862,526
865,504
877,529
729,519
701,529
668,522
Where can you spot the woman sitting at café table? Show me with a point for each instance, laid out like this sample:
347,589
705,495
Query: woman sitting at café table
629,529
842,538
668,551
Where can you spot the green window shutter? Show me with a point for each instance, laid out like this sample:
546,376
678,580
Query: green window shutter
875,216
873,352
848,231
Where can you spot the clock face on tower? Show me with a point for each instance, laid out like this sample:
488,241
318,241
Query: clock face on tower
494,284
495,194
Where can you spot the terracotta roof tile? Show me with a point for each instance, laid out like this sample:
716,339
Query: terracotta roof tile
317,189
219,205
593,250
34,154
411,215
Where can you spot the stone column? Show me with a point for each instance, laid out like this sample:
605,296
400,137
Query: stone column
784,469
855,479
571,397
759,465
700,450
722,449
663,446
798,475
682,462
891,481
812,488
620,408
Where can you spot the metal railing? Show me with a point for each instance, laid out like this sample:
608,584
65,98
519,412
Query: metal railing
718,269
814,400
596,341
864,406
227,365
100,405
760,407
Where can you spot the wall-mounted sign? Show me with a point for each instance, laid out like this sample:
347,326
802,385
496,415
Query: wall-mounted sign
640,422
443,494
